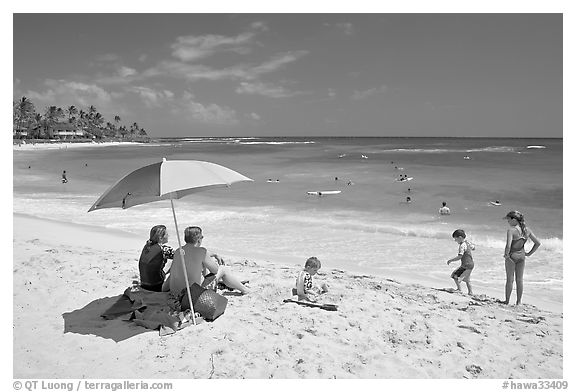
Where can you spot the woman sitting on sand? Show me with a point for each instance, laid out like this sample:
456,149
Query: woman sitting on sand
514,254
199,265
153,259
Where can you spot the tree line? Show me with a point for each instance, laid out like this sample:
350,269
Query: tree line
37,125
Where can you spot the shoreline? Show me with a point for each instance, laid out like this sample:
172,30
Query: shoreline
48,229
65,145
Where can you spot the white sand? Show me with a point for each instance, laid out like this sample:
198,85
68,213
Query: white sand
58,145
383,328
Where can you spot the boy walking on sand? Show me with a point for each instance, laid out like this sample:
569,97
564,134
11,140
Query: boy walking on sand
463,272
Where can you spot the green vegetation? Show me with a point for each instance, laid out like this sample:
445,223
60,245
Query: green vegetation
70,124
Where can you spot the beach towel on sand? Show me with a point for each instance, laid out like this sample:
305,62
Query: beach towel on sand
149,309
330,307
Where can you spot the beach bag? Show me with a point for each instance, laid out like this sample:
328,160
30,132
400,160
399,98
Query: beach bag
208,303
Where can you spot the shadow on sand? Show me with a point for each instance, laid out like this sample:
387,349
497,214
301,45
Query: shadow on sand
88,321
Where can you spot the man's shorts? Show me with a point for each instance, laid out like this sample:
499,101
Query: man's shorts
461,273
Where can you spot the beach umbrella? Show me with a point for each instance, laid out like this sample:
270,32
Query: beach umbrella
167,180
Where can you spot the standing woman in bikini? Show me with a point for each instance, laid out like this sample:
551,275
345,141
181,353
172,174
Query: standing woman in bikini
514,254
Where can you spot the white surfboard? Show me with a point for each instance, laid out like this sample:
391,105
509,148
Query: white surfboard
322,193
272,180
535,146
404,179
495,203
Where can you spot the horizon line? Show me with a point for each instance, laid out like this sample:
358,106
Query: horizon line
340,136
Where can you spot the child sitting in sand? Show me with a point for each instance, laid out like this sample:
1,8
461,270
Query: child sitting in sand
463,272
304,288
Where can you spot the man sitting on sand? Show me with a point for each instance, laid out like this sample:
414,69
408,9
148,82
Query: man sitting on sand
198,260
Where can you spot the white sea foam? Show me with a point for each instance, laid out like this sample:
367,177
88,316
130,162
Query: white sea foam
56,205
495,149
273,143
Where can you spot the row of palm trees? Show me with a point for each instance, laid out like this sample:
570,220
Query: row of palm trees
41,125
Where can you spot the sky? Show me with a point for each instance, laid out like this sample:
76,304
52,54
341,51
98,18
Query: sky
258,74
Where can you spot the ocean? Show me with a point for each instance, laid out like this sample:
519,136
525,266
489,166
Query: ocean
368,227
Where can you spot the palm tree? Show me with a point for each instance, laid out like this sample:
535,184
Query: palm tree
134,129
23,112
117,120
109,130
92,110
72,110
52,115
123,131
97,121
39,124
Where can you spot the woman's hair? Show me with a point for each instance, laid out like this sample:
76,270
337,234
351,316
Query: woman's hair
312,262
192,234
156,234
459,233
519,218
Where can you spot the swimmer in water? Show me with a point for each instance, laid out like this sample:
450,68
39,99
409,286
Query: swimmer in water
444,210
64,179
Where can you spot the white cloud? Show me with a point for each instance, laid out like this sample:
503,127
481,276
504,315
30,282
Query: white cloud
360,95
126,71
191,48
151,97
265,89
195,47
345,27
193,72
259,26
210,113
278,62
255,116
63,92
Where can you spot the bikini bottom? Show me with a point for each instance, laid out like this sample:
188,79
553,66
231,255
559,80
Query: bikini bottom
517,257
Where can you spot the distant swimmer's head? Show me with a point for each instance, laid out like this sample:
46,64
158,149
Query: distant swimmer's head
193,235
459,235
443,204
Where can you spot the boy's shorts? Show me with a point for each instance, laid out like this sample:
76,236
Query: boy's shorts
461,273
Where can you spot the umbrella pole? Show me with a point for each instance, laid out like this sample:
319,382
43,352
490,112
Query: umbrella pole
183,263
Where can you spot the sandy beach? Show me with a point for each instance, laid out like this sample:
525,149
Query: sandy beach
62,145
66,275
